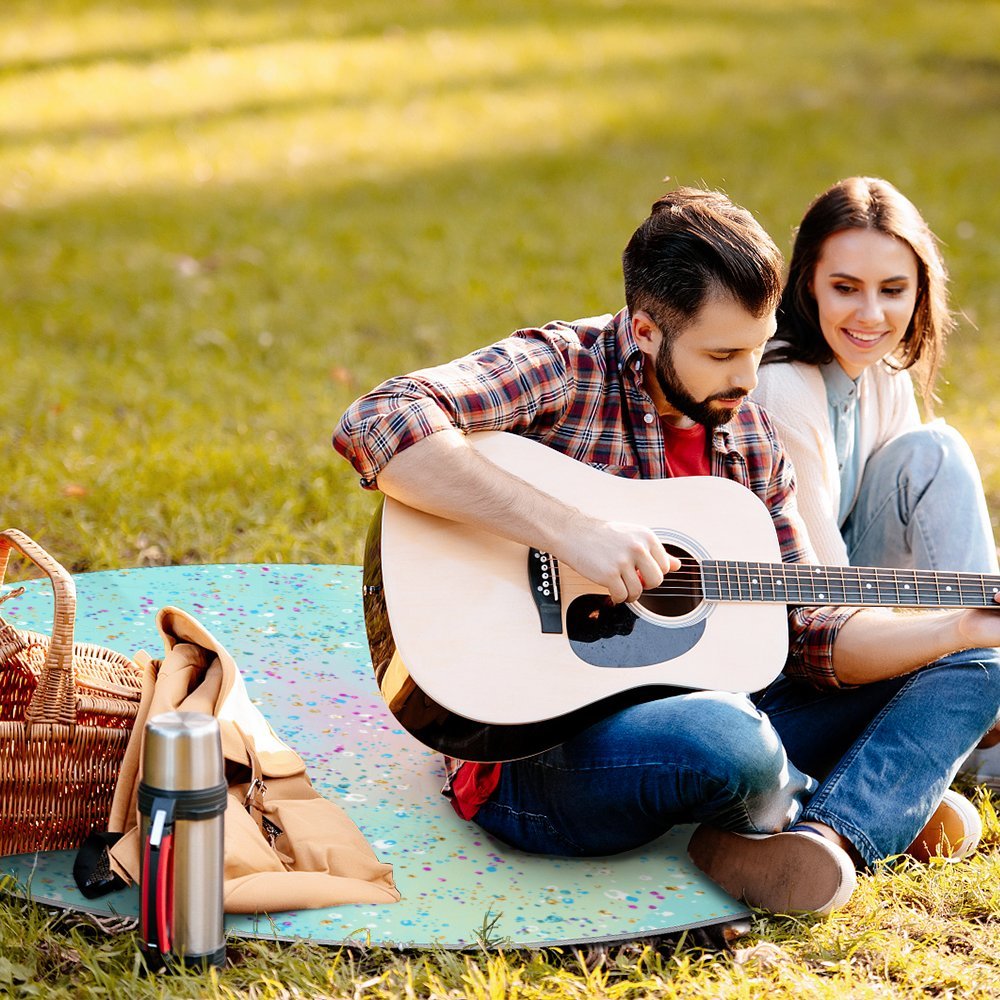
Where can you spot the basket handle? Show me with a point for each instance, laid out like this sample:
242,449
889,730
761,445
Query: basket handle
54,700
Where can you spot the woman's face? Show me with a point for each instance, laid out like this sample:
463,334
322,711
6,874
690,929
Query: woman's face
865,285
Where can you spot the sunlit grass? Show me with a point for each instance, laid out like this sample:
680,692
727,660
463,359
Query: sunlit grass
910,932
219,222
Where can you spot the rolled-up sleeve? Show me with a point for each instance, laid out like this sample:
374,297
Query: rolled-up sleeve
812,632
515,384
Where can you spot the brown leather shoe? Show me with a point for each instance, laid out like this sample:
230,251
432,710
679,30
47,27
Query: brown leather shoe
788,872
953,832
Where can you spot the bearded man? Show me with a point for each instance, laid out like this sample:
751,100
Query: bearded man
841,762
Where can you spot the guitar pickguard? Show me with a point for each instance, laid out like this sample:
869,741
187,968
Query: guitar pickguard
612,635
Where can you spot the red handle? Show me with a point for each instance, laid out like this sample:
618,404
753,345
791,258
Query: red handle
156,898
165,894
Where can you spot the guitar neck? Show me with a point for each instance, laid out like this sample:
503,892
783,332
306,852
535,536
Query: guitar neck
801,583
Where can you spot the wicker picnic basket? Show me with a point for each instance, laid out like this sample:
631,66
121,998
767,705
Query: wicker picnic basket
66,711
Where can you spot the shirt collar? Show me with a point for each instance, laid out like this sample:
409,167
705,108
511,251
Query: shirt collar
840,387
631,358
722,440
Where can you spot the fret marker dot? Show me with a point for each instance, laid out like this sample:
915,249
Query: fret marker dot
823,596
906,586
947,588
868,586
753,579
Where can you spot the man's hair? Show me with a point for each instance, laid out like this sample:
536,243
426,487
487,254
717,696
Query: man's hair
693,245
874,204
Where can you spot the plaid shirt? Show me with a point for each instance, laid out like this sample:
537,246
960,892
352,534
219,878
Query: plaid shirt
577,387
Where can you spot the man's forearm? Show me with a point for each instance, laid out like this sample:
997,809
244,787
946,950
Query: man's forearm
878,643
444,475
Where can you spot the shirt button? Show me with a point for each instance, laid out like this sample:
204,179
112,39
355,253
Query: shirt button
648,418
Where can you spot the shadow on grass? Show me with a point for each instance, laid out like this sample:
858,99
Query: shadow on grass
228,25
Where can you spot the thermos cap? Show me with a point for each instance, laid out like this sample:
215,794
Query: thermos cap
182,752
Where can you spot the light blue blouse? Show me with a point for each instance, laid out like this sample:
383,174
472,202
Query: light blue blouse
842,402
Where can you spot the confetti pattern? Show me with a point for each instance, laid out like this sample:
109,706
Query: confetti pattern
297,633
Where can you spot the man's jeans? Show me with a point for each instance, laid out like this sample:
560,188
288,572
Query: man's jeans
695,756
872,761
920,506
884,754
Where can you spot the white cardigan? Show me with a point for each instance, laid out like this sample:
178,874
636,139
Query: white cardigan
794,395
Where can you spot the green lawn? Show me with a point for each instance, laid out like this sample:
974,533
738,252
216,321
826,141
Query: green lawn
221,221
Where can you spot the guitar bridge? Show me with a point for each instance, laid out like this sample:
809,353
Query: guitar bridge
543,577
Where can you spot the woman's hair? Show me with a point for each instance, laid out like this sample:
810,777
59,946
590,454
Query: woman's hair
866,203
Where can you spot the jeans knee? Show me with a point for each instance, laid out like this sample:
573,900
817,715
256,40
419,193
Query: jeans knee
929,451
991,682
971,682
745,742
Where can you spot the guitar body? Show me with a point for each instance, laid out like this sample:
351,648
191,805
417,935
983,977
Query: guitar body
456,630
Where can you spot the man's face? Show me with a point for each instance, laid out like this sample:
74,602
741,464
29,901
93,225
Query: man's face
703,374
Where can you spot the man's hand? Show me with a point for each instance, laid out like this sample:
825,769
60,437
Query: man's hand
624,558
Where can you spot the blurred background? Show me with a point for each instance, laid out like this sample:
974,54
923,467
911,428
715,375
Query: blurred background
222,221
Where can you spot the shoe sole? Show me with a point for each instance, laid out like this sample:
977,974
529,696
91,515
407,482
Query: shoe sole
782,872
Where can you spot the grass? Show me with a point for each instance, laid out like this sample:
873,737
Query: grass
221,221
908,932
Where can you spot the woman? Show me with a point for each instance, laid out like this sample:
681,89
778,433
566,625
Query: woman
865,304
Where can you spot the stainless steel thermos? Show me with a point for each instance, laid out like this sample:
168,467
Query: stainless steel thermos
182,801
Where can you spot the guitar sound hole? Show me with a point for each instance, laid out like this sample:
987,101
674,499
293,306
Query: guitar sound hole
680,593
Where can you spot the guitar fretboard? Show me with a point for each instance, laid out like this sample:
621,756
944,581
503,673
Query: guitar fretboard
792,583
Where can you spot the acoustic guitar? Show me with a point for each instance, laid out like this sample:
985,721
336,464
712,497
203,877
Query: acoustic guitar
488,650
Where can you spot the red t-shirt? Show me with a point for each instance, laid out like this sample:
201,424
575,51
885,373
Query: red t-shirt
686,450
686,455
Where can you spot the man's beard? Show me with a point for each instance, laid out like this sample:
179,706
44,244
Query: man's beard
680,399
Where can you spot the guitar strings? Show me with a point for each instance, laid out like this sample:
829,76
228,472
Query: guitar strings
690,581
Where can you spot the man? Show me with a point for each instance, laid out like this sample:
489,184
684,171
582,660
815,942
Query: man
852,749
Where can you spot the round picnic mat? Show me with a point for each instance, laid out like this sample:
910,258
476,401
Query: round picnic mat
297,634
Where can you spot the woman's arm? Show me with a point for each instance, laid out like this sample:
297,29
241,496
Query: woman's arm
878,643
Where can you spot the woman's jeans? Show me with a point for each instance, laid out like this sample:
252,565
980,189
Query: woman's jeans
884,753
920,505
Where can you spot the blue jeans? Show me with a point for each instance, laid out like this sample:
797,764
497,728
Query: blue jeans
921,506
696,756
884,753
